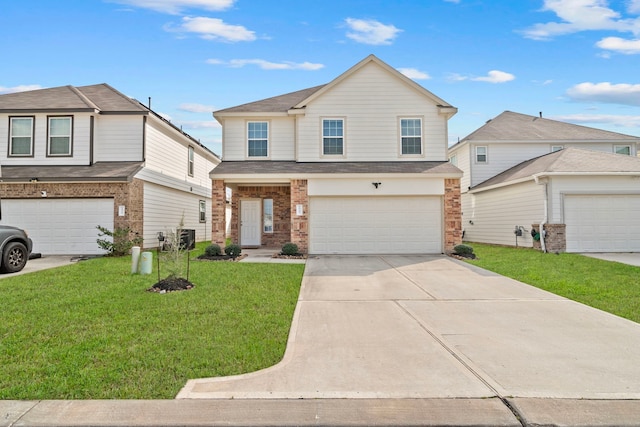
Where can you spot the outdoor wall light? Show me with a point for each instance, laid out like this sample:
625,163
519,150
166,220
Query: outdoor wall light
376,184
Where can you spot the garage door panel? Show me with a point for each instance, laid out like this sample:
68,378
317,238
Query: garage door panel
602,223
362,225
60,226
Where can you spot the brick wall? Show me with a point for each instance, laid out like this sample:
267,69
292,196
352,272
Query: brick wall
300,223
128,194
218,212
281,196
555,239
452,214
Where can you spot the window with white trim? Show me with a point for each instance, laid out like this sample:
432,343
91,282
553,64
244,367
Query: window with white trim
202,210
191,161
21,136
59,135
267,212
622,149
454,160
411,136
481,154
333,137
258,139
555,148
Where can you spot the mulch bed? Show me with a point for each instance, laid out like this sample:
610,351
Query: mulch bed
220,257
171,284
463,256
294,256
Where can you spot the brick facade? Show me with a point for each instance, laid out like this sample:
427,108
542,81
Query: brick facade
128,194
300,223
452,214
218,212
281,196
555,238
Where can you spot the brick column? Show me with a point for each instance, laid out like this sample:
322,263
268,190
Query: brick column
218,212
300,223
452,214
555,238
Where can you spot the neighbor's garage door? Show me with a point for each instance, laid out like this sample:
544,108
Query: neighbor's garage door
60,226
367,225
602,223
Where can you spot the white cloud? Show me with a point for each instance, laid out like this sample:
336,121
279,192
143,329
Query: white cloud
582,15
622,120
21,88
213,29
634,6
414,73
369,31
267,65
605,92
455,77
617,44
204,124
495,76
174,7
196,108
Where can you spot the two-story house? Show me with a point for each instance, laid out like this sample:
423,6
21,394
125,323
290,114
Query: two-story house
356,166
580,183
73,158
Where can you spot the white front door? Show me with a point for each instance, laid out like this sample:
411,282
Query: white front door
250,222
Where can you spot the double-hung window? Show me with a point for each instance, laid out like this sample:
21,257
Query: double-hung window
481,154
411,136
21,136
258,139
191,161
333,137
59,136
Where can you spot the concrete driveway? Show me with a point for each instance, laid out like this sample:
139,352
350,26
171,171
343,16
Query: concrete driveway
425,327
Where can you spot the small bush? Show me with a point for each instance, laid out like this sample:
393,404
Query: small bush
290,249
213,250
120,242
233,250
463,250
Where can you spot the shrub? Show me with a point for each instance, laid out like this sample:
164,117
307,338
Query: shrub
213,250
463,250
233,250
289,249
120,242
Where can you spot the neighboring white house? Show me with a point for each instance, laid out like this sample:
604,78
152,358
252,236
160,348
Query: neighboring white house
74,158
358,165
509,140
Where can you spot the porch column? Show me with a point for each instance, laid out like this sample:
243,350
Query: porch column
218,212
452,214
300,223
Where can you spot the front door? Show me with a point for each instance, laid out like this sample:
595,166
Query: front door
250,223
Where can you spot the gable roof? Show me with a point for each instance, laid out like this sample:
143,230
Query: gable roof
100,97
516,127
298,100
570,161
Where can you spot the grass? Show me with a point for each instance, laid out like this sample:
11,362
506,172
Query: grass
606,285
91,331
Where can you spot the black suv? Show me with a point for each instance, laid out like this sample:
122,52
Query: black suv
15,248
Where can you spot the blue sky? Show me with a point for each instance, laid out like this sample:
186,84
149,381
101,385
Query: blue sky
573,60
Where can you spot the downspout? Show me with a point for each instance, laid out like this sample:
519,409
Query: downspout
545,217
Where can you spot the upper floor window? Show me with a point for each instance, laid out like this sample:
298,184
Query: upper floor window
258,139
333,136
191,162
454,160
622,149
59,136
555,148
21,136
411,136
481,154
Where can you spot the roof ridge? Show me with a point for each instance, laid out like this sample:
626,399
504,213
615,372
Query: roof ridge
83,97
117,92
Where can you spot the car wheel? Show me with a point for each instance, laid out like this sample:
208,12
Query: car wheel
14,257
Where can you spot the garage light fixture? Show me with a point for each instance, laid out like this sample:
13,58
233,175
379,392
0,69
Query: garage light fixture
376,184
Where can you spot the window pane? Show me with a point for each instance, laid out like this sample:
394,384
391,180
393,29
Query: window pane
21,146
258,148
332,128
268,215
60,126
411,146
203,211
411,127
624,149
21,126
332,146
59,145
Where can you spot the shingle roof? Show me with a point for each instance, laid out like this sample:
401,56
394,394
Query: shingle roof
100,97
569,160
510,126
276,104
101,171
302,168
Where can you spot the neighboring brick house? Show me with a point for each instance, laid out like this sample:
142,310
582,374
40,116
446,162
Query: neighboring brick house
358,165
73,158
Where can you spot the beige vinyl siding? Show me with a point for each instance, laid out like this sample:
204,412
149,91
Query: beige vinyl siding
495,213
80,141
371,104
281,138
501,157
464,163
165,207
118,138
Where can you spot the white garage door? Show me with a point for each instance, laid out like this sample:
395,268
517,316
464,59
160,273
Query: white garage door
369,225
60,226
602,223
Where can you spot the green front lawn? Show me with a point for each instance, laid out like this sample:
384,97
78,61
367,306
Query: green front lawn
91,331
609,286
